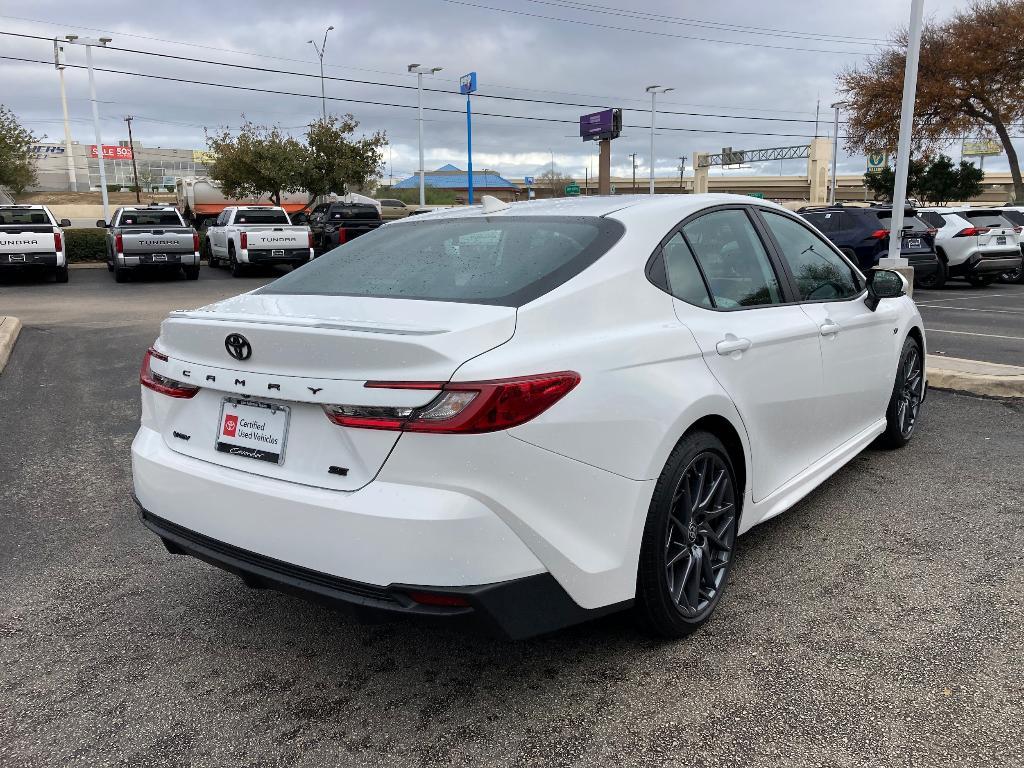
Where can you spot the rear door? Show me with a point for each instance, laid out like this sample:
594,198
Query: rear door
856,343
762,350
994,230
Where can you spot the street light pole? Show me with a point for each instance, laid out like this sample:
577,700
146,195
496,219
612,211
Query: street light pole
89,42
58,62
899,197
654,90
835,151
320,52
420,72
135,168
633,156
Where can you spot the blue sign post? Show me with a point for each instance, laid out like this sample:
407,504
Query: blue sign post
467,84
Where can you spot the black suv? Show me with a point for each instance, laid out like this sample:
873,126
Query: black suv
862,233
334,224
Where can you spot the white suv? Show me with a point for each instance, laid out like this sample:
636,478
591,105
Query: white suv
975,243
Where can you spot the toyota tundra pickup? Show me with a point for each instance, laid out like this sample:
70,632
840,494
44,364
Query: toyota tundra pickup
244,235
30,238
150,236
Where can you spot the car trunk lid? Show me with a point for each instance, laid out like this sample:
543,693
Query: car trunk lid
157,240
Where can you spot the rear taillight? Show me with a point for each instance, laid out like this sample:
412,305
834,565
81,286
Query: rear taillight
1017,230
971,231
158,383
243,241
309,236
878,234
342,236
119,243
58,243
195,242
461,407
933,231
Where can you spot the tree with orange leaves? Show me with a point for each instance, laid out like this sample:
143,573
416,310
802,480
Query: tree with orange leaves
970,82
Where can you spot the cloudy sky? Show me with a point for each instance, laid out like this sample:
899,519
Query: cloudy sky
755,69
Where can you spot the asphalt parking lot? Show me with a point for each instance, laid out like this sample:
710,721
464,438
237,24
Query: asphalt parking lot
879,622
975,323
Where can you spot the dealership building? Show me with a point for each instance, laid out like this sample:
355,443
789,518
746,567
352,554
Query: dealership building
79,171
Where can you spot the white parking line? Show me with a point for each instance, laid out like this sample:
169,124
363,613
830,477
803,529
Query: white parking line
927,303
976,309
968,333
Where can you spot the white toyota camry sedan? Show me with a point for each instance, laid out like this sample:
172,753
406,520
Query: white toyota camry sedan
529,414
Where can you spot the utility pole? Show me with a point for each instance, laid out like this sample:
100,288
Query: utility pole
835,151
552,179
58,62
320,52
634,172
89,43
419,71
467,85
654,90
682,167
135,168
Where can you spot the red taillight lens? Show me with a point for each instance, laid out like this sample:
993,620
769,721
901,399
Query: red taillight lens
243,241
878,234
933,231
195,242
342,236
119,243
165,386
971,231
462,407
440,599
309,235
58,243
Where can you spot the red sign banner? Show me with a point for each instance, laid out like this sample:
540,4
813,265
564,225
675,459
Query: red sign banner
112,152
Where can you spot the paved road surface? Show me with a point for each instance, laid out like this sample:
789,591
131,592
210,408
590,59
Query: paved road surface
975,323
878,623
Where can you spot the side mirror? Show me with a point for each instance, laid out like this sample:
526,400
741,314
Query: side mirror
65,222
884,284
101,223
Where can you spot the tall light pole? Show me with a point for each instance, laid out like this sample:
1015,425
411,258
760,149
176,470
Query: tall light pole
89,42
467,85
58,62
320,52
899,197
420,71
835,151
135,167
654,90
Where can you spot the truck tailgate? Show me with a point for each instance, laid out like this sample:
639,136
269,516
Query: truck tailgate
261,238
141,240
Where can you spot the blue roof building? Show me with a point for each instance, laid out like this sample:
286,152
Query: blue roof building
485,182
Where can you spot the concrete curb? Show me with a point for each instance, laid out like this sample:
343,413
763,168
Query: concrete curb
975,376
87,264
10,327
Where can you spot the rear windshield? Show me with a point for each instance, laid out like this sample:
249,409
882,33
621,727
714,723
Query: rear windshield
933,219
987,218
261,217
1015,217
914,223
150,219
507,261
22,216
340,213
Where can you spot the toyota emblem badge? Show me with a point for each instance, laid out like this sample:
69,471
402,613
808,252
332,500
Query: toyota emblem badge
238,346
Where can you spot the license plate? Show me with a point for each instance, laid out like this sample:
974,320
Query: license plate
914,242
253,429
17,257
1001,240
277,253
159,257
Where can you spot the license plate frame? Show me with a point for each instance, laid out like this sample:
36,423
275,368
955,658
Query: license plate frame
1000,239
913,242
252,452
17,258
277,252
159,257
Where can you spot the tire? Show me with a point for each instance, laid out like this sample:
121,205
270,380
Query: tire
935,280
688,526
208,252
191,273
237,270
121,275
903,413
981,281
61,275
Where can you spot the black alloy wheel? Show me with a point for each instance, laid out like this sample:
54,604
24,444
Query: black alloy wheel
934,280
688,543
907,396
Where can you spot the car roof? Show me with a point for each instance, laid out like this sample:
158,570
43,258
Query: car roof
24,207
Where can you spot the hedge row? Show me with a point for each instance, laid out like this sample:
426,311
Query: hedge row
86,244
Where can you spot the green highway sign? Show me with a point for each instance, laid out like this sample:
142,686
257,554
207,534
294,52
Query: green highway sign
758,195
572,189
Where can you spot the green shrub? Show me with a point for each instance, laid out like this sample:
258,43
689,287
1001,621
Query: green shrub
432,195
86,244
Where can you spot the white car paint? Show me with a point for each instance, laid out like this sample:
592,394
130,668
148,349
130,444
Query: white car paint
804,386
972,254
224,236
30,230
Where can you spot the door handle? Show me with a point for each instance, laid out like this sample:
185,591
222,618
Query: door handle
731,344
829,328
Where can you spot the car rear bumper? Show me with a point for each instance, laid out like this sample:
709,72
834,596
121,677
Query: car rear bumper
992,262
276,256
31,260
172,260
923,264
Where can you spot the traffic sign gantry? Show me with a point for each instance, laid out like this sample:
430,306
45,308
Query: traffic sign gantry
572,189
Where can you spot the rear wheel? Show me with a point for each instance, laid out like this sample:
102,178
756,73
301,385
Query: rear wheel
121,274
936,279
237,270
907,394
191,273
61,275
210,258
687,547
981,281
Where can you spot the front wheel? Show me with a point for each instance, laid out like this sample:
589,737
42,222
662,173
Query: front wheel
936,279
61,275
687,547
981,281
907,395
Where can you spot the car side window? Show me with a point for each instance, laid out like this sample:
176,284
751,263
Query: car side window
682,274
733,260
933,219
821,275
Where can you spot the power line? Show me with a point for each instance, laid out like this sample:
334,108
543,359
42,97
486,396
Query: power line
647,31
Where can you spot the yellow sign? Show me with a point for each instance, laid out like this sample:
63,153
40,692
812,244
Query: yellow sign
202,156
980,147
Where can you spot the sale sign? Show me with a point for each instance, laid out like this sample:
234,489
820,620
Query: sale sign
112,152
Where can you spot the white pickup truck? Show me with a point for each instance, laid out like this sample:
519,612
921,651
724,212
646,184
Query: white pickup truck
244,235
30,238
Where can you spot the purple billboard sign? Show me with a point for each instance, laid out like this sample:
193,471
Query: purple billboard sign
605,124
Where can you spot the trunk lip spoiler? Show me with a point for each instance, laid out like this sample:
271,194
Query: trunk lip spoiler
302,322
